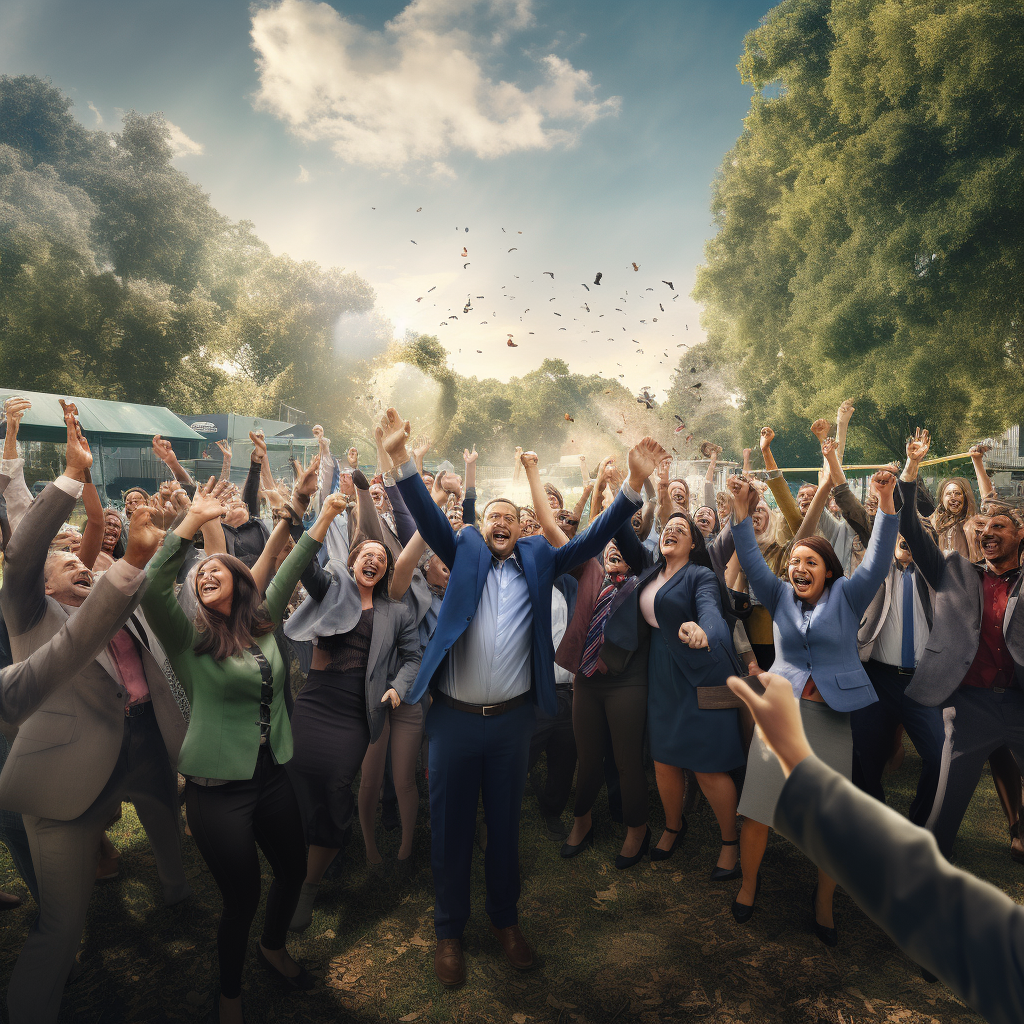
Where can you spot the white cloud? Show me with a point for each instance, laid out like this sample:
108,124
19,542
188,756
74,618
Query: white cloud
180,143
303,175
418,89
99,117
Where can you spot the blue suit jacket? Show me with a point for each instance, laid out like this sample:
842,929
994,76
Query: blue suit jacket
828,650
469,560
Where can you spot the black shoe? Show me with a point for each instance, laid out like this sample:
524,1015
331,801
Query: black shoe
727,874
830,936
627,862
740,911
568,851
659,854
303,981
389,815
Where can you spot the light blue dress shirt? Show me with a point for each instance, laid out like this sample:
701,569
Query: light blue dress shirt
490,662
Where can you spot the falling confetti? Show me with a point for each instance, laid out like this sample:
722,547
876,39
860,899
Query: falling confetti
419,209
569,419
597,279
669,283
635,267
511,343
550,274
584,285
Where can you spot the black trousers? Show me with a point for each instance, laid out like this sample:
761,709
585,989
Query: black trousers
599,706
554,736
227,823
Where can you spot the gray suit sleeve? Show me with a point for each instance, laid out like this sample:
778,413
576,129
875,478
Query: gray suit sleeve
969,934
24,686
23,599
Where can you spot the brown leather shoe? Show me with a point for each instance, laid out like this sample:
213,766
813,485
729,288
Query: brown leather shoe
449,963
517,949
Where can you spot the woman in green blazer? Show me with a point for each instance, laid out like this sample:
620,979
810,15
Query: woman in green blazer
237,794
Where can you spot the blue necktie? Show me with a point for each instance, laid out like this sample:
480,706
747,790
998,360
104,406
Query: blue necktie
908,619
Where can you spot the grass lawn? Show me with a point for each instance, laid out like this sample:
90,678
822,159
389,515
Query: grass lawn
654,944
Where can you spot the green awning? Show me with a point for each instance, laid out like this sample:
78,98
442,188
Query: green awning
119,424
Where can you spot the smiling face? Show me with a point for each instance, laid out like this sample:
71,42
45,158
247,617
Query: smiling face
903,555
808,574
455,517
370,564
380,497
676,542
761,518
567,521
724,502
804,497
501,528
614,563
215,586
67,579
1000,540
704,517
953,499
111,530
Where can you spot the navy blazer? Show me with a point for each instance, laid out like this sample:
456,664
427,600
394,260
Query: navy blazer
693,594
825,648
469,560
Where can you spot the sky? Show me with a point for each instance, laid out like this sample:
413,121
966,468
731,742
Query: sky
571,137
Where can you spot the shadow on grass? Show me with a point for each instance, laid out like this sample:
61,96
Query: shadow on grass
654,944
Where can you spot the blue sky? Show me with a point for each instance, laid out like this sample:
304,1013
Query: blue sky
593,128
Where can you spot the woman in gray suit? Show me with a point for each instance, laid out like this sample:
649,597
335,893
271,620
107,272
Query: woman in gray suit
366,656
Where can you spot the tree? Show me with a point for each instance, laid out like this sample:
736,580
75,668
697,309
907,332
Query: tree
867,242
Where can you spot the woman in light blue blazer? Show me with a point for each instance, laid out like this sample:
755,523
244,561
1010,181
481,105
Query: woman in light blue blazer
815,616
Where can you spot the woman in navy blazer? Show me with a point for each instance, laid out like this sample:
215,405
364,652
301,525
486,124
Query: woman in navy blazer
816,616
679,596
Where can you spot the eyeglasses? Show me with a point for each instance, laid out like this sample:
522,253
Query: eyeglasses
568,520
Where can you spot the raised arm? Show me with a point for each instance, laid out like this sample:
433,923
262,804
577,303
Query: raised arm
852,509
251,488
545,515
777,483
225,462
927,556
430,520
843,417
17,495
985,486
862,586
165,453
767,587
92,536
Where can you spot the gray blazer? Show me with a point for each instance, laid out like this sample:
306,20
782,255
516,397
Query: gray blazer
27,684
969,934
873,619
334,606
66,749
959,594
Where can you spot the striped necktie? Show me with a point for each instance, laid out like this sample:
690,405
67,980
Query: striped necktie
595,634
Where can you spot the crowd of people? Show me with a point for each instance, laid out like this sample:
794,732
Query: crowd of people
150,657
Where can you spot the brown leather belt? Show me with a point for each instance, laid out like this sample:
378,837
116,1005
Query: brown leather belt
487,710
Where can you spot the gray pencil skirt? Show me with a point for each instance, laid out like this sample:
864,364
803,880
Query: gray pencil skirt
829,735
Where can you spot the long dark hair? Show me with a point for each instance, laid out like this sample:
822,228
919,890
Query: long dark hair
699,549
224,636
382,587
825,552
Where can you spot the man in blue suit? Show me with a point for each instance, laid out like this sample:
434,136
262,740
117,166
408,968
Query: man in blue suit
490,659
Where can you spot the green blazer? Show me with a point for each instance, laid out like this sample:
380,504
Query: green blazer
223,737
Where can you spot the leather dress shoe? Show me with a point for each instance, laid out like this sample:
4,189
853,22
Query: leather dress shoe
449,963
517,949
568,851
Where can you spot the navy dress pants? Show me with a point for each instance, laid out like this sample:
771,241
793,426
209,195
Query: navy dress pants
472,755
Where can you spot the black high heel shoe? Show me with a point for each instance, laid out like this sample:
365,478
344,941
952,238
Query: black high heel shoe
627,862
659,854
568,851
727,874
303,981
830,936
740,911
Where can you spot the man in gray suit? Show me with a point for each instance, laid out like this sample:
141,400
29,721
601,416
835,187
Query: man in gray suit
962,930
973,661
111,733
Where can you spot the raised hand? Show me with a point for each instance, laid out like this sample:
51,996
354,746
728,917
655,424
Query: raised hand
16,407
144,538
274,498
692,635
437,490
820,429
259,446
306,482
846,411
977,451
744,496
421,449
469,457
318,431
353,457
883,483
162,449
767,436
828,446
396,433
918,445
206,506
530,460
643,458
77,456
334,505
224,447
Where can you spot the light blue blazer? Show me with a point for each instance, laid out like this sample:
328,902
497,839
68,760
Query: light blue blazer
822,646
